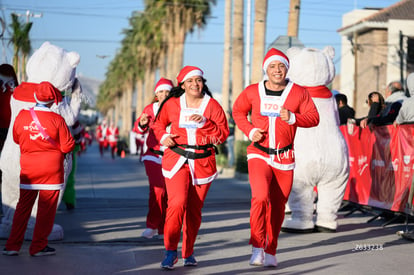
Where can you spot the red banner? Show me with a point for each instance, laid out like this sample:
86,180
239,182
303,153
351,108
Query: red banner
381,166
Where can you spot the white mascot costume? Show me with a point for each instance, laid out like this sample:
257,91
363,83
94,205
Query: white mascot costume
57,66
321,153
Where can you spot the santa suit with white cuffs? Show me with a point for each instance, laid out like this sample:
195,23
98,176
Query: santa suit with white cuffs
271,161
188,179
152,155
42,171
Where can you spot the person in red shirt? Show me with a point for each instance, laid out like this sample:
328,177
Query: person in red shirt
276,107
190,123
44,138
152,153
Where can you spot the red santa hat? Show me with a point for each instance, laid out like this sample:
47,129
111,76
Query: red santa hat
187,72
46,93
163,84
275,55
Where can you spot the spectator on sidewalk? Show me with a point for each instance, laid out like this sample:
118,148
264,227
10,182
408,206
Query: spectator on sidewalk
394,97
44,138
345,111
406,113
376,104
197,124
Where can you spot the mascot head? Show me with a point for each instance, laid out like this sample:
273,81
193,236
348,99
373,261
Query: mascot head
53,64
311,67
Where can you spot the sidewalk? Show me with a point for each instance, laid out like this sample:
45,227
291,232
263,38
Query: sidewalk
102,234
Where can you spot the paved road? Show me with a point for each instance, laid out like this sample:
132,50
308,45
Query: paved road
102,235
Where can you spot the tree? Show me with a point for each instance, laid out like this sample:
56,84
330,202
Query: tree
21,45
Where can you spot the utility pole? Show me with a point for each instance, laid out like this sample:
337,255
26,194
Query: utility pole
248,36
293,20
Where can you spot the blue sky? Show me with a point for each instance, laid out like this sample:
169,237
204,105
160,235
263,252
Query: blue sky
94,28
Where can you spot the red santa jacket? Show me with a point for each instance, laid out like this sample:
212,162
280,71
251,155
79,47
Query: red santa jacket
279,134
213,130
101,133
41,161
112,134
151,143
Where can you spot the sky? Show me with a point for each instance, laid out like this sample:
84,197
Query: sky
94,29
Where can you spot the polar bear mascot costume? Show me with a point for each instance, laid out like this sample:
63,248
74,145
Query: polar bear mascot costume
57,66
321,153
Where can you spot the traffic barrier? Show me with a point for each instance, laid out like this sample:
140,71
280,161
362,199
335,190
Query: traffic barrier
381,166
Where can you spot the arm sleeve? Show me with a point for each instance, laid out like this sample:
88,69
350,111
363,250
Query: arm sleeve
66,141
308,115
241,108
215,127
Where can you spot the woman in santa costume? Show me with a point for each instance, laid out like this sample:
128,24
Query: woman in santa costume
198,123
112,135
277,107
152,153
44,138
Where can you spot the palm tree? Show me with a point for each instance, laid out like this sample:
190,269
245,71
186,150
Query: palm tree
21,45
237,55
181,18
259,39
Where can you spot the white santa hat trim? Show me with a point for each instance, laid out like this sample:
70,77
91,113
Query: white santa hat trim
275,58
42,102
163,87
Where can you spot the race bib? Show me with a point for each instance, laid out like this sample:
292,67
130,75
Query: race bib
270,106
185,121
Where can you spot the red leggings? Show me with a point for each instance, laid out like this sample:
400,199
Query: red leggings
45,218
157,202
270,189
185,202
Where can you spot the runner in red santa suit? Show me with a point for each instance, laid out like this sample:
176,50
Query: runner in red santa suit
44,138
152,152
277,108
101,136
198,123
112,135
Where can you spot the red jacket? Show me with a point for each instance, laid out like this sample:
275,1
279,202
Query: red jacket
214,130
41,161
279,133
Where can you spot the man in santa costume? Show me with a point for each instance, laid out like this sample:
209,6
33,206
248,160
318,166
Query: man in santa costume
152,153
197,123
35,130
276,107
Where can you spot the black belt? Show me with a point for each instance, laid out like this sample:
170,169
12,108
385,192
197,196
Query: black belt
157,152
194,155
272,151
